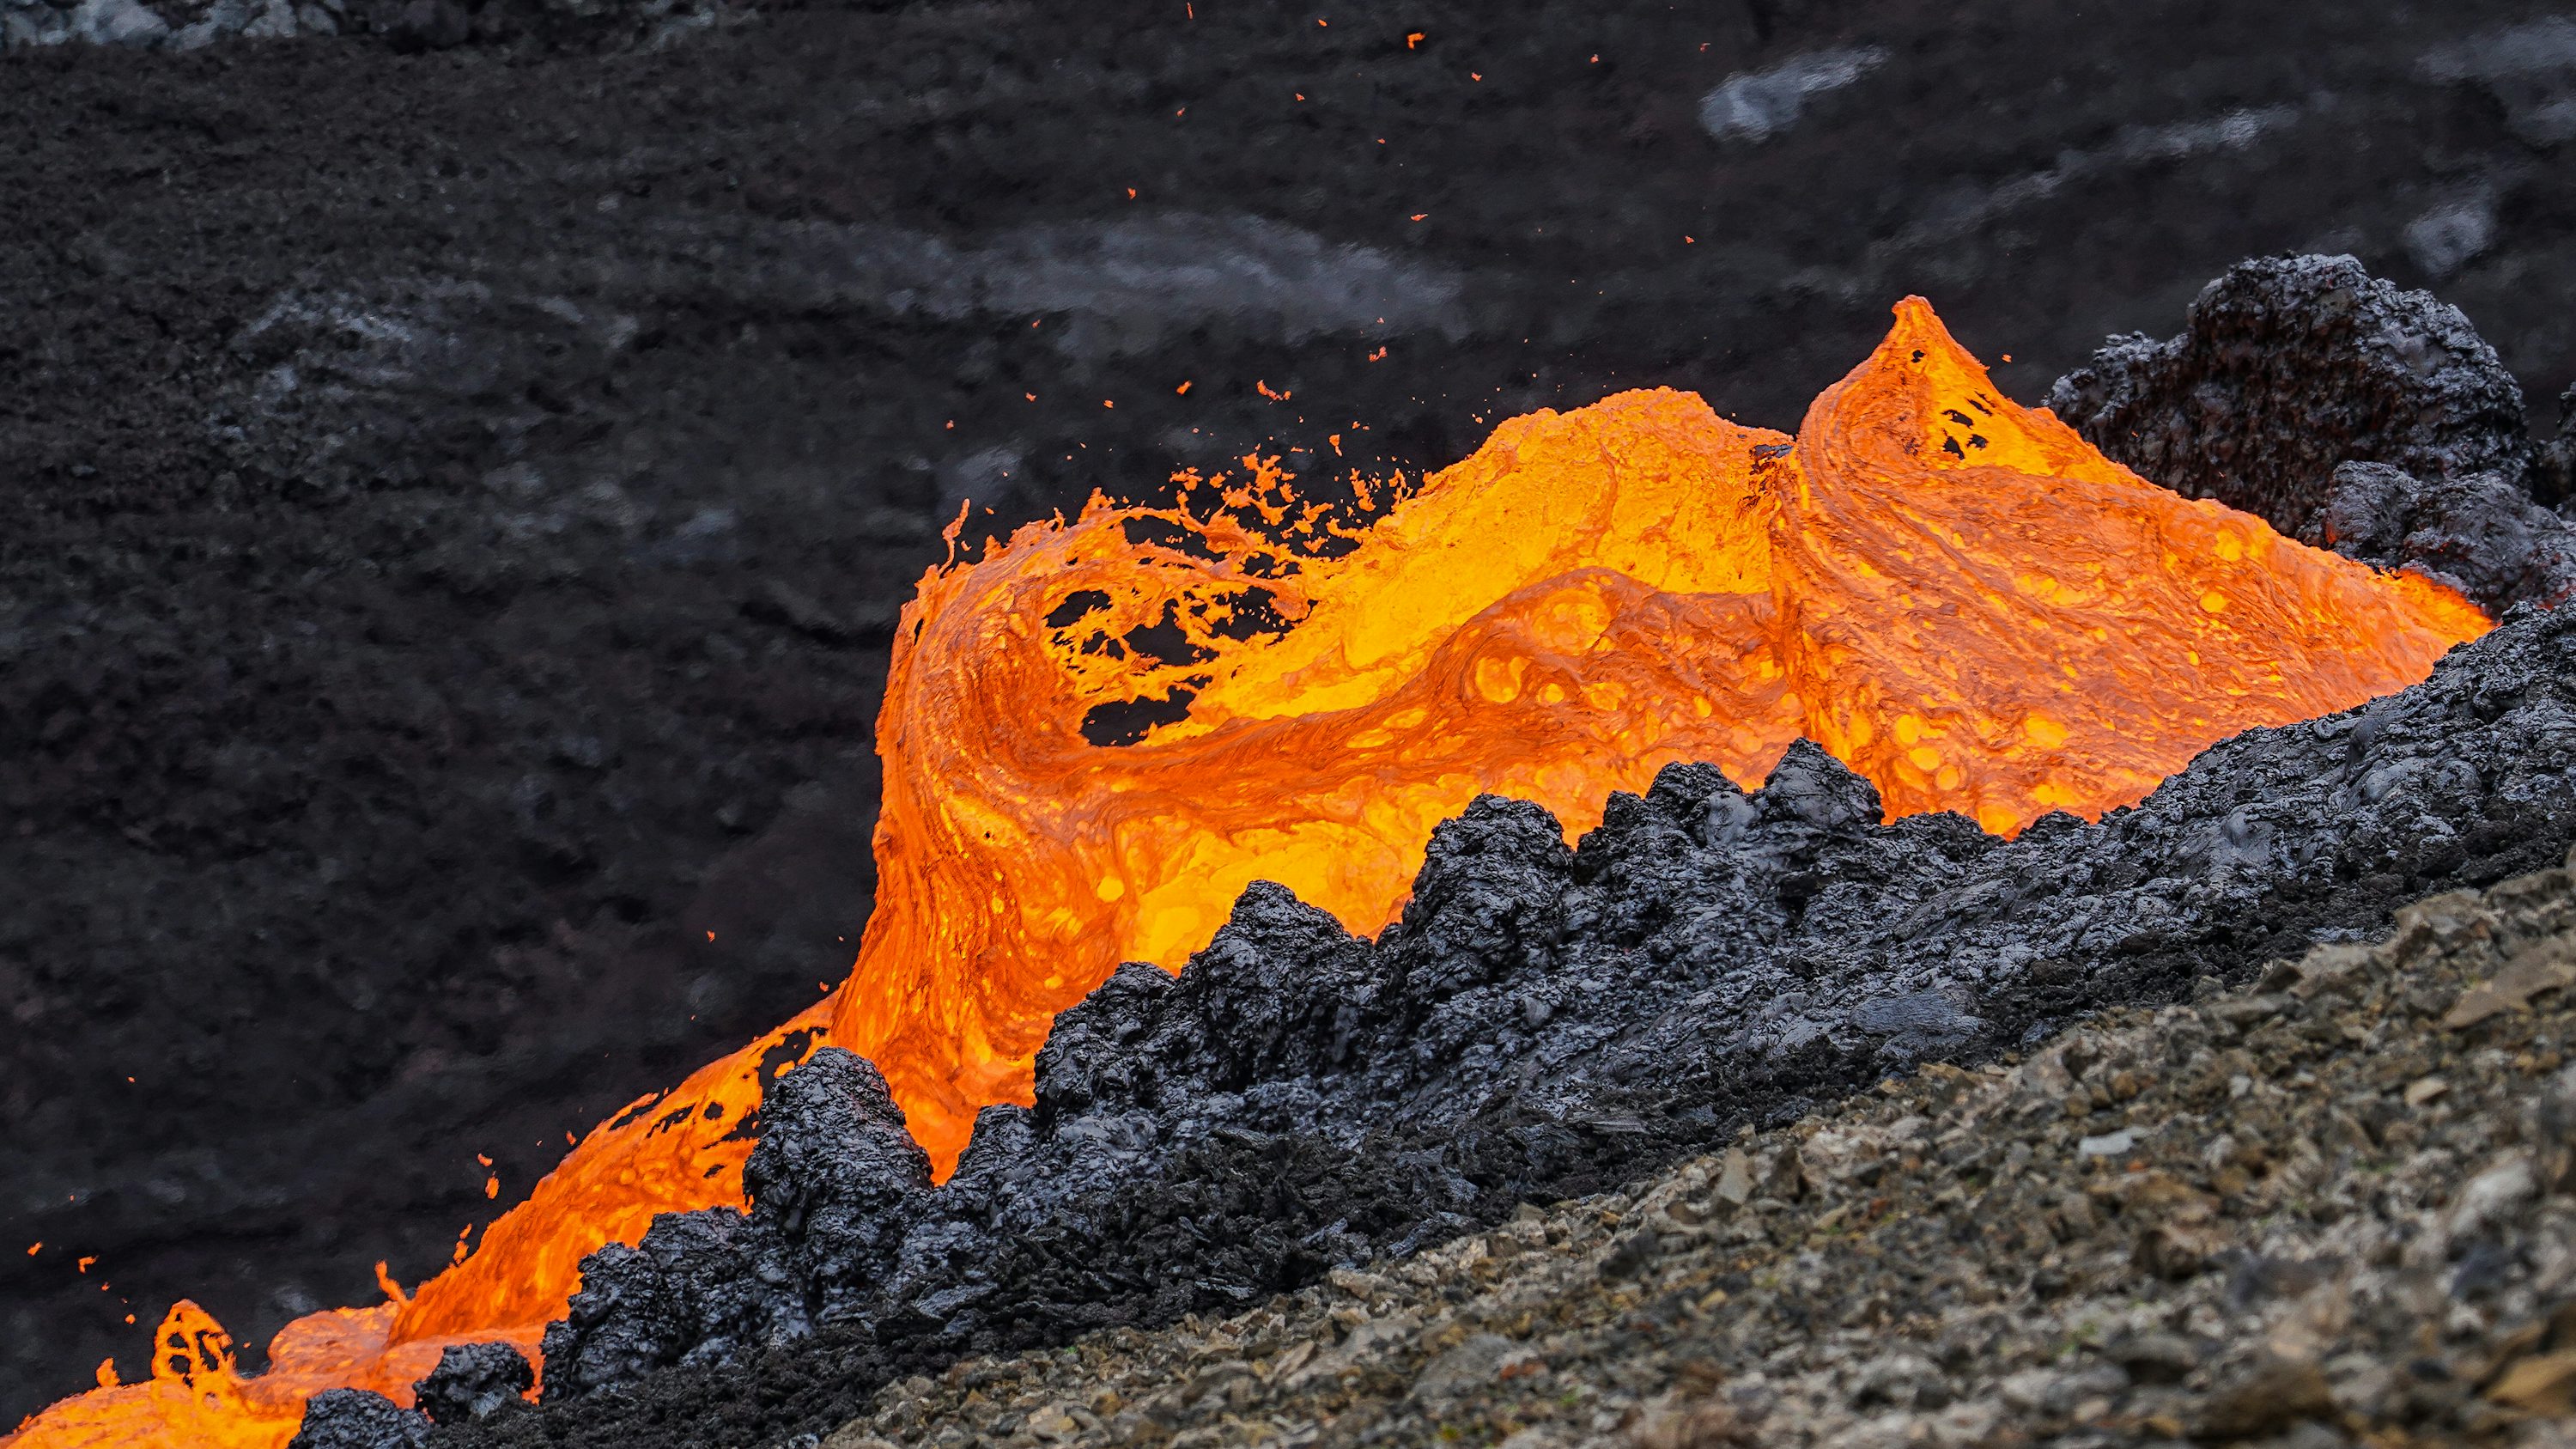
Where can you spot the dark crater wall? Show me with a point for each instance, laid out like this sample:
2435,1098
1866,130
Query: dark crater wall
456,496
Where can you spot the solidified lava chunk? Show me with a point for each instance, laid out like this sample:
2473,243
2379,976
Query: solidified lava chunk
831,1185
357,1419
2479,533
2350,414
472,1381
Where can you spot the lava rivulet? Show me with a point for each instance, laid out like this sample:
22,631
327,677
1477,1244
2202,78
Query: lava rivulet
667,1152
1096,735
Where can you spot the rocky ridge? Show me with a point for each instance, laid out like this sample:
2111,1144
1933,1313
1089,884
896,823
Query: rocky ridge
2336,1204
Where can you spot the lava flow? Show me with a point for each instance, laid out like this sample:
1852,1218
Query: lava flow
1961,599
1095,736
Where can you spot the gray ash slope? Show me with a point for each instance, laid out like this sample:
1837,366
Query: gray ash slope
1546,1022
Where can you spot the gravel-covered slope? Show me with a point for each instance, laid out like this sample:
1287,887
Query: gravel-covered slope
2336,1204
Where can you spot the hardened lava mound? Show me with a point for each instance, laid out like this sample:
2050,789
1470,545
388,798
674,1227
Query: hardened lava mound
2352,415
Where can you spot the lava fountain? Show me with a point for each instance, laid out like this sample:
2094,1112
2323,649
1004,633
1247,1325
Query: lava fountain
1097,734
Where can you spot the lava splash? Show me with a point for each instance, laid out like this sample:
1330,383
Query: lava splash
1095,736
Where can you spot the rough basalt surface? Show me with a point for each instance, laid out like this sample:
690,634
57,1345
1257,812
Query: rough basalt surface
833,1184
358,1419
2335,1204
2480,533
1543,1023
2354,415
472,1380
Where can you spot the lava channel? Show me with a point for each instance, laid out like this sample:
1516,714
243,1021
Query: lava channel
1096,735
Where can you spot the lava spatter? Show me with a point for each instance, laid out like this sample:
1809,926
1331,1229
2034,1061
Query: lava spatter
1098,734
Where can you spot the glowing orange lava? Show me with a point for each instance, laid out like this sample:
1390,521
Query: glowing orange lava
1953,594
670,1152
1958,597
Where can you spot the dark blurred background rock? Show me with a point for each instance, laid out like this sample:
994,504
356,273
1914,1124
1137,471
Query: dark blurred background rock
458,471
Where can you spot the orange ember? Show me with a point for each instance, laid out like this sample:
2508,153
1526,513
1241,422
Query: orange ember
1955,595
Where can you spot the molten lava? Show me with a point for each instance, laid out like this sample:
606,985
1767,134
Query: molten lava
1097,735
668,1152
1958,597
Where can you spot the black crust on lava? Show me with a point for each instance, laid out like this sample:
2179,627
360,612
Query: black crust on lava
2294,370
1544,1023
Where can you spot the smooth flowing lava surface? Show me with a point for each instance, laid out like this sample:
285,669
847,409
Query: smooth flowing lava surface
1095,736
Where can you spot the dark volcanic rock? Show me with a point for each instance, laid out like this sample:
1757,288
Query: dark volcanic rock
2351,414
2288,366
357,1419
831,1185
1545,1022
2480,532
473,1380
